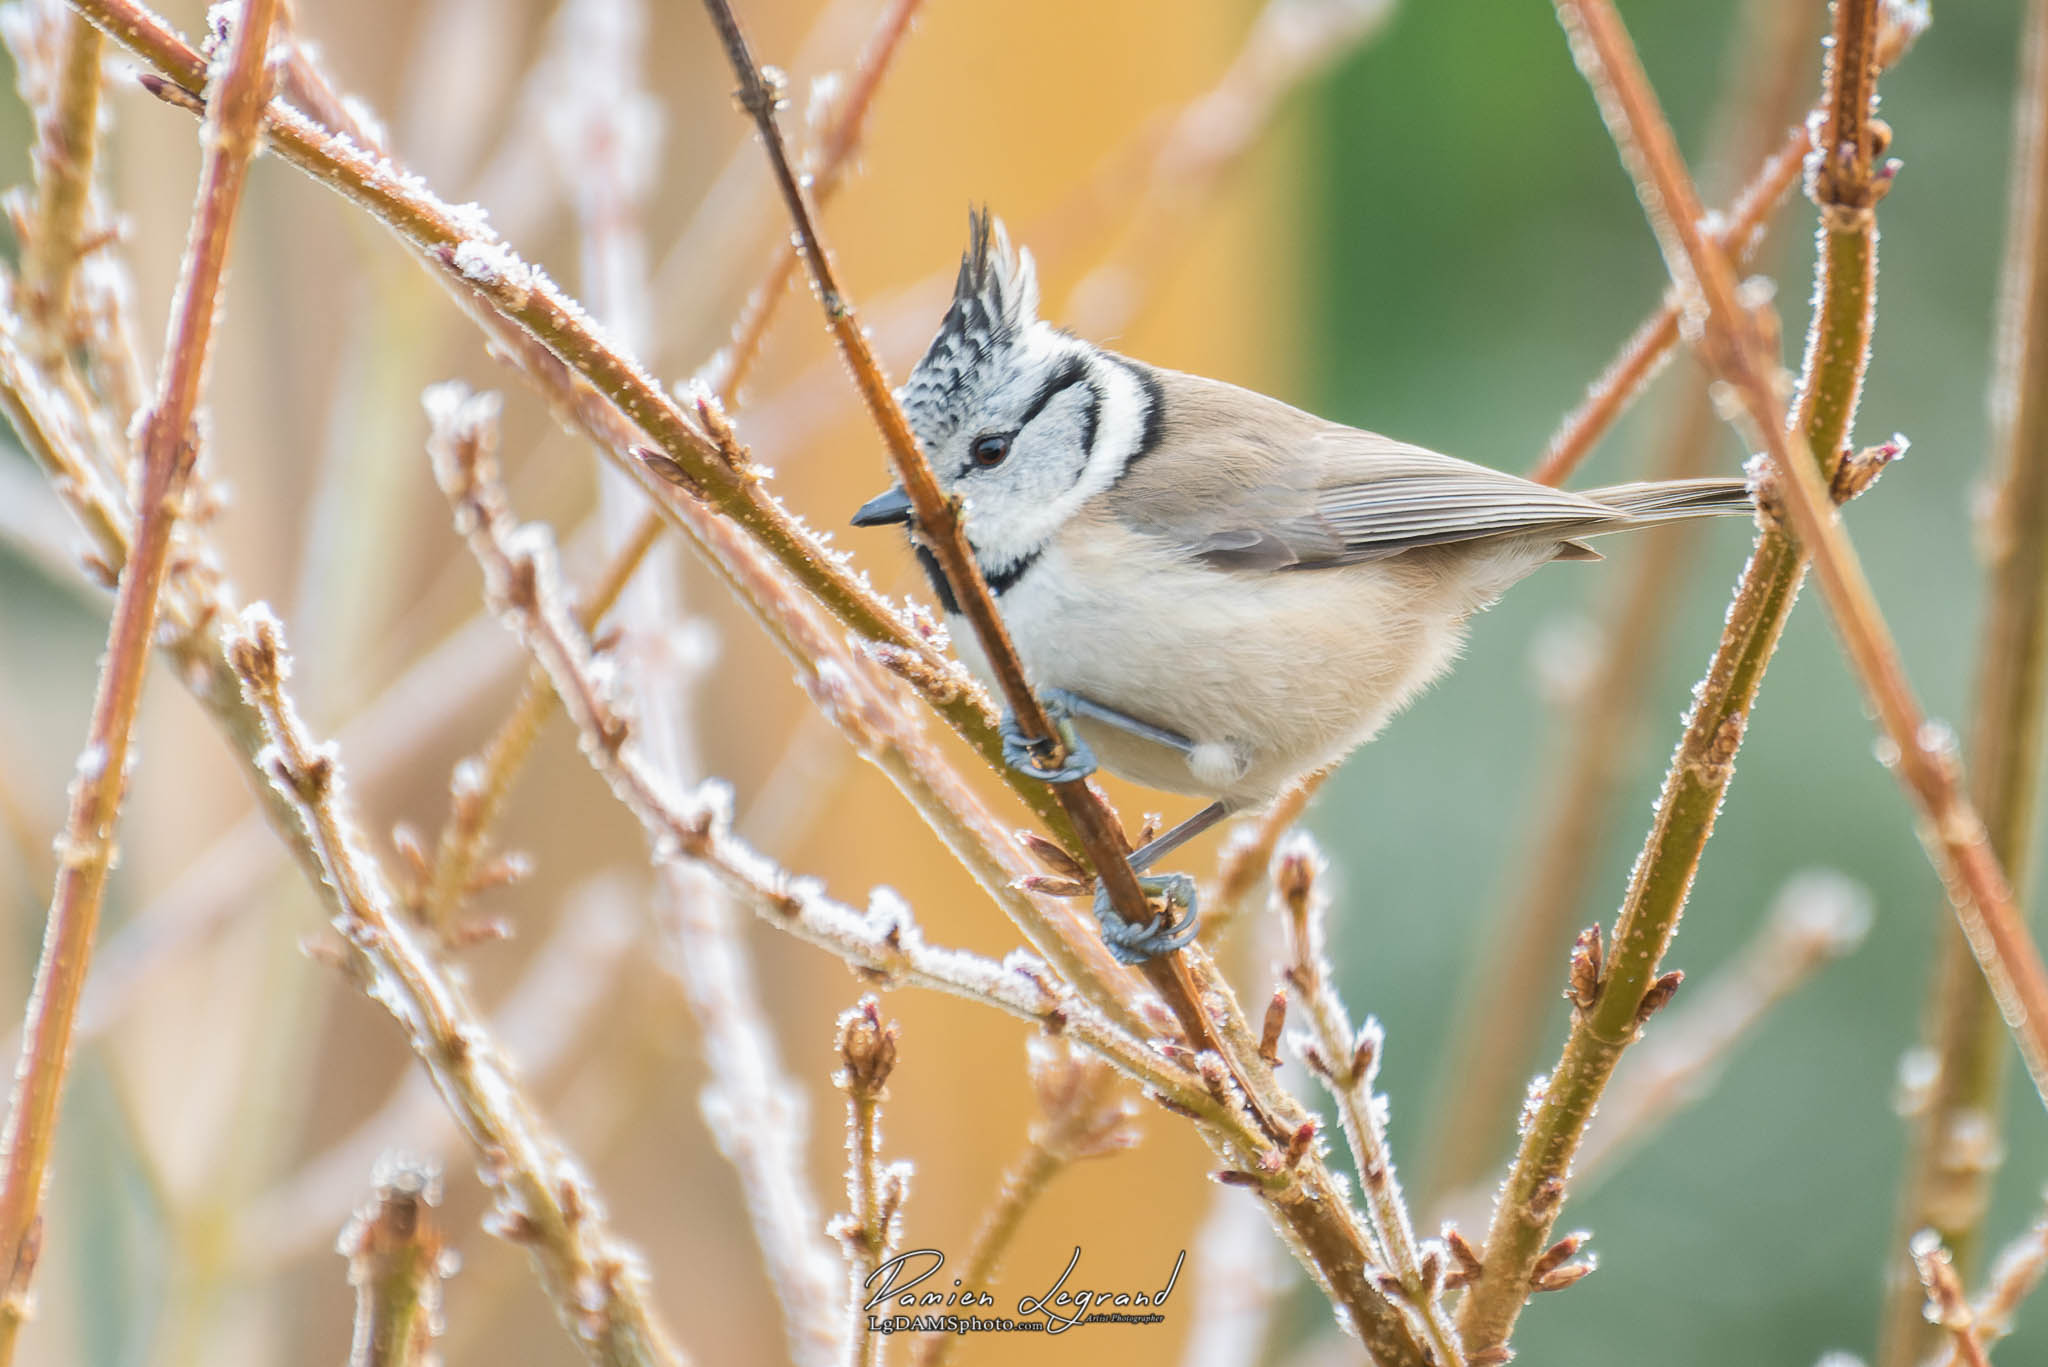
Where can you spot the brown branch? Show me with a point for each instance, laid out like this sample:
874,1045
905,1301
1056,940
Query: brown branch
727,373
1816,919
394,1248
1899,26
1955,1137
169,449
522,580
465,834
569,981
941,528
2015,1273
539,1198
1305,1200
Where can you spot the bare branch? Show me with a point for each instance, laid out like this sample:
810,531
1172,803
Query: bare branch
1955,1146
541,1200
86,849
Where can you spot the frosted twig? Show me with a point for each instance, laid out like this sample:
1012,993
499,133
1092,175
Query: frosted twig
1954,1149
875,1190
395,1249
1347,1062
169,449
1739,232
2015,1272
540,1198
1946,1304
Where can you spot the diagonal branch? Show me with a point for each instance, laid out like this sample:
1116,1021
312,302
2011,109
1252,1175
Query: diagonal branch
942,530
1955,1142
169,445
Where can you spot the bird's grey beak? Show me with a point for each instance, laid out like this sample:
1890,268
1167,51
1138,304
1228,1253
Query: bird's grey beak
884,509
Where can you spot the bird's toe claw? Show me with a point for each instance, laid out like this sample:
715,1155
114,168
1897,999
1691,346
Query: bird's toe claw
1028,756
1135,943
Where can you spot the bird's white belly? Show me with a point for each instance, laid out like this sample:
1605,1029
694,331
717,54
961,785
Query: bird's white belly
1270,674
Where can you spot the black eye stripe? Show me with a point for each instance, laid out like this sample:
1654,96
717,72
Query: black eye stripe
1065,378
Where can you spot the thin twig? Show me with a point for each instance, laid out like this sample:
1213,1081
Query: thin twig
522,579
726,375
1846,182
875,1190
940,526
1644,352
540,1199
1943,1296
1615,992
494,771
394,1247
169,448
1348,1064
1083,1112
1955,1137
2015,1272
67,146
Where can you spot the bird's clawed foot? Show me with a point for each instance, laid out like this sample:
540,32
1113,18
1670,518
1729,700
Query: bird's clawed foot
1031,757
1164,933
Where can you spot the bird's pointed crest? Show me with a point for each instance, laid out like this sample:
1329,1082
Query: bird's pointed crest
995,299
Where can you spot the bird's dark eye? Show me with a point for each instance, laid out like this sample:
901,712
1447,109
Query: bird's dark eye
990,448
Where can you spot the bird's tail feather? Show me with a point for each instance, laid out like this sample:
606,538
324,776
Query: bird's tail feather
1668,500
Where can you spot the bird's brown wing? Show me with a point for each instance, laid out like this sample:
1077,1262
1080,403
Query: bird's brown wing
1247,482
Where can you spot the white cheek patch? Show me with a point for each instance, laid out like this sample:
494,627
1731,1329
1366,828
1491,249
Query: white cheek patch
1121,409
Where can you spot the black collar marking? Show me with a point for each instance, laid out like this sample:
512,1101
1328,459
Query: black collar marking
999,583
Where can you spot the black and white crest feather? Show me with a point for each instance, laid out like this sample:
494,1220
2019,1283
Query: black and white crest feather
995,299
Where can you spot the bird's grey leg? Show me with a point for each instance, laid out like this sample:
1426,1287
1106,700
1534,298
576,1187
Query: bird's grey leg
1062,706
1163,934
1149,853
1130,942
